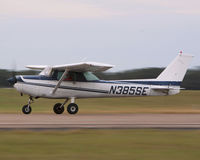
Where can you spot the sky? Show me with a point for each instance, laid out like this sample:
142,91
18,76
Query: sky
126,33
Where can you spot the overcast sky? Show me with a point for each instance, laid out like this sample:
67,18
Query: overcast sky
127,33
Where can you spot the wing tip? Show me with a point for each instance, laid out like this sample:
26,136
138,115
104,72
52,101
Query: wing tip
39,67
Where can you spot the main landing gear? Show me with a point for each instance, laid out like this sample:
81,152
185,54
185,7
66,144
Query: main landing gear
72,108
58,108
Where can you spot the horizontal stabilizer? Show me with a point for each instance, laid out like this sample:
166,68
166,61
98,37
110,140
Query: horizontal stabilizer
166,88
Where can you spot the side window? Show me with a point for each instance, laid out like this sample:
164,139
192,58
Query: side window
71,76
59,75
68,77
78,76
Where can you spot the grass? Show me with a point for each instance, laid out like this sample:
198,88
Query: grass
103,144
185,102
100,144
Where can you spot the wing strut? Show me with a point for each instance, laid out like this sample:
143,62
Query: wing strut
60,81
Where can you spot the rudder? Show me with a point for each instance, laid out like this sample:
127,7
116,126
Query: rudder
177,69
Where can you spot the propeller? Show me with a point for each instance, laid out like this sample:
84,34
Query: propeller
13,79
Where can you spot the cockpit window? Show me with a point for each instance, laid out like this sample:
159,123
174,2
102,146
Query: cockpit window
90,76
57,74
71,76
78,76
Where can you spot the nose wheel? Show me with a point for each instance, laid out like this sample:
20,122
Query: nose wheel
26,109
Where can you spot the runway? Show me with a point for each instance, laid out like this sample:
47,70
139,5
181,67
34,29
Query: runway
113,121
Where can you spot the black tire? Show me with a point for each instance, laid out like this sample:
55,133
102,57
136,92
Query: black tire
26,109
72,108
58,109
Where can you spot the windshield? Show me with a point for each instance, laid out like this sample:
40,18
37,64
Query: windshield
90,76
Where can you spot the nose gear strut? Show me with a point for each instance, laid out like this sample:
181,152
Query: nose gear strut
26,109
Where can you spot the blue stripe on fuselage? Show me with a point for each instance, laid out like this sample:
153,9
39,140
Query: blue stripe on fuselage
172,83
19,79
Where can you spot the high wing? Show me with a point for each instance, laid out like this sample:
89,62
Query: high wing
76,67
84,67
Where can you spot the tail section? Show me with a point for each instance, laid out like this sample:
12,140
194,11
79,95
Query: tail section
177,69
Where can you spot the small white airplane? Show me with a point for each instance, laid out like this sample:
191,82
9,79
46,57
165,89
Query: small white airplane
73,81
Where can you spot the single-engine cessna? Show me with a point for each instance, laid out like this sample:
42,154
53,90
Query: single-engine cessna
73,81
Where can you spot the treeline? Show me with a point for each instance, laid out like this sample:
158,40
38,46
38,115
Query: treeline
191,81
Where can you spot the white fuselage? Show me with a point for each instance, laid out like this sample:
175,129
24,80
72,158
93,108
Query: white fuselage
95,89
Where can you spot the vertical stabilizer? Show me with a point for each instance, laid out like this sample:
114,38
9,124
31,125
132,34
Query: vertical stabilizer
176,70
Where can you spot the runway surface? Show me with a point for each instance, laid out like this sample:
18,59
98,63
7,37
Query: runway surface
119,121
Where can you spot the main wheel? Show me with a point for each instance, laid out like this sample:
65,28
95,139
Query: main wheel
72,108
58,108
26,109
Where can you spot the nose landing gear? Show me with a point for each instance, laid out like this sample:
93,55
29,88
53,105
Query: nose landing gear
26,109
